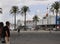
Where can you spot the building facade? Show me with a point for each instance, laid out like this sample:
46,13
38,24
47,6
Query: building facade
49,21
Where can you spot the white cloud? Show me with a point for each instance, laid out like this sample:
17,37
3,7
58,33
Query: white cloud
24,2
35,2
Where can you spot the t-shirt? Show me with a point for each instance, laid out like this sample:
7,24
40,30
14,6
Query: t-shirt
4,31
8,31
0,31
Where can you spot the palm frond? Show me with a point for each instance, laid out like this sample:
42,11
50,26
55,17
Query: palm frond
35,18
56,6
0,10
24,9
14,9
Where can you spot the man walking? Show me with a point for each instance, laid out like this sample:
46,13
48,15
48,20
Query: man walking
2,32
7,33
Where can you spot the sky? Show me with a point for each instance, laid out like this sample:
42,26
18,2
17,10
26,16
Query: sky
37,7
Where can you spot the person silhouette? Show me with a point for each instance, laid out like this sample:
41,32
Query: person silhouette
2,32
7,32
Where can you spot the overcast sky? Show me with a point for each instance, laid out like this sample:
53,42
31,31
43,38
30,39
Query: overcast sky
37,7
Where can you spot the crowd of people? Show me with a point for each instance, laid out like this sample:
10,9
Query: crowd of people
5,32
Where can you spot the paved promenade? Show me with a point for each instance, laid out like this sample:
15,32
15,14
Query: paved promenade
35,37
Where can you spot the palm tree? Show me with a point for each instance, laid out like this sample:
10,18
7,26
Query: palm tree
56,7
14,10
24,10
35,19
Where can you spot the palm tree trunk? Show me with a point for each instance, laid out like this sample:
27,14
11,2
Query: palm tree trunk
56,20
35,25
25,22
15,21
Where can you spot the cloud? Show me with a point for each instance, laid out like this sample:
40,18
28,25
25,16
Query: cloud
24,2
35,2
7,4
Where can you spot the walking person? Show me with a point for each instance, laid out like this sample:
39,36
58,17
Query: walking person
7,33
18,29
1,28
1,32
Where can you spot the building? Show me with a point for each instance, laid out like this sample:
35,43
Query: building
49,21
